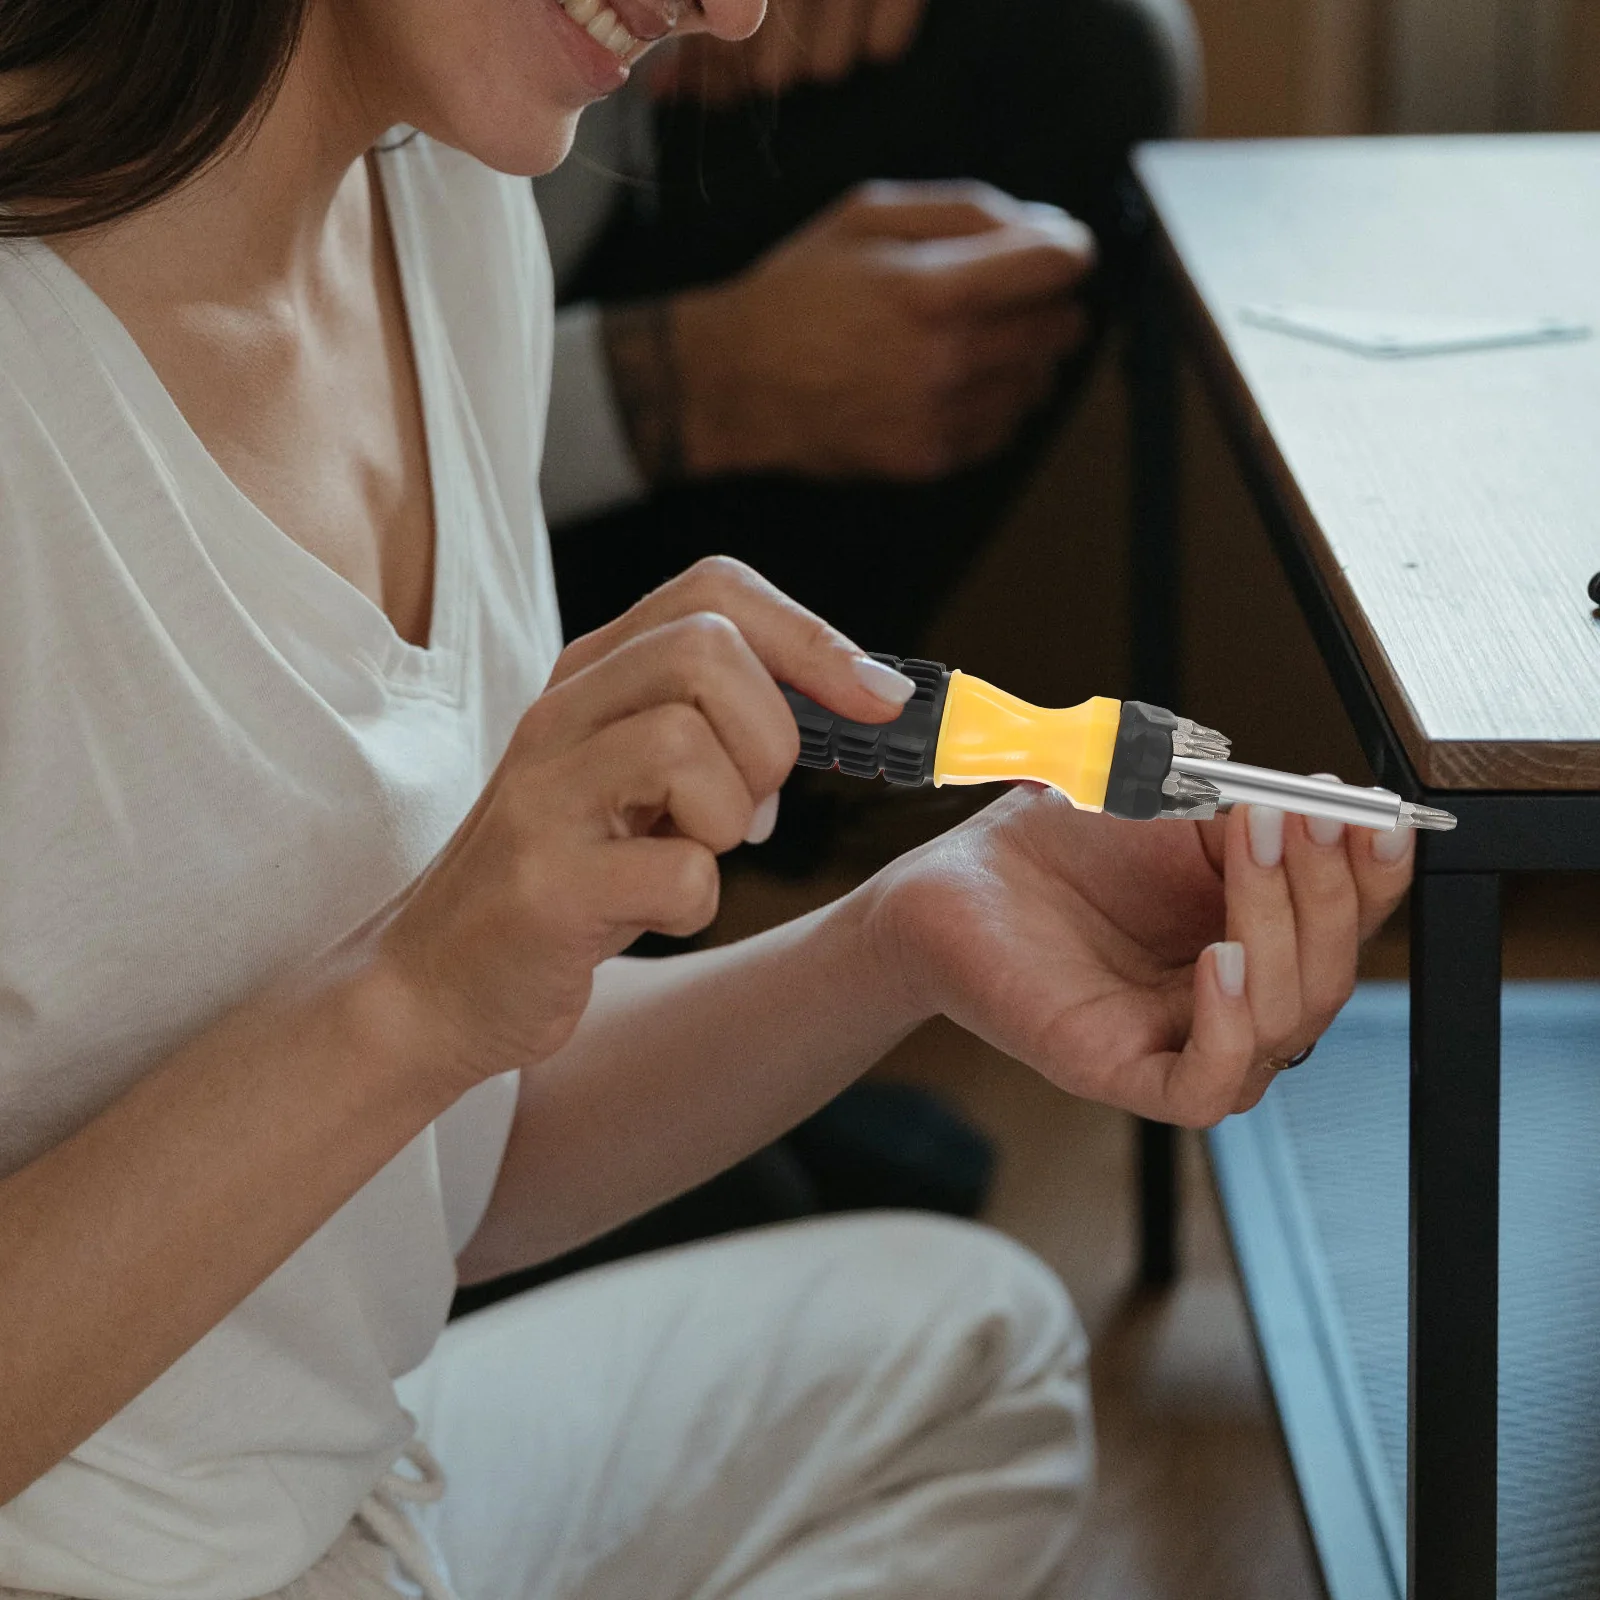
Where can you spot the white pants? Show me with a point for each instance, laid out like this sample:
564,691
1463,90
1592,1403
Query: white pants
894,1407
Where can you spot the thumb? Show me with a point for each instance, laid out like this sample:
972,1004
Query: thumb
1208,1079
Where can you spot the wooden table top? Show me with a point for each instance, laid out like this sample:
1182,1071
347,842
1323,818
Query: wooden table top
1451,502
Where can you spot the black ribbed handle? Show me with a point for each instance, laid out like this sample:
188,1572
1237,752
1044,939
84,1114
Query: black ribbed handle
902,750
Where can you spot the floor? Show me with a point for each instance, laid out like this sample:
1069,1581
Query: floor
1194,1499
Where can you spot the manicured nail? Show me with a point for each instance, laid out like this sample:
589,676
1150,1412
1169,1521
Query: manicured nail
1265,826
1392,847
762,821
1324,830
885,682
1228,960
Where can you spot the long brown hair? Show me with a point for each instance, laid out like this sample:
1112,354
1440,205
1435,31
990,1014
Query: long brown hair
128,99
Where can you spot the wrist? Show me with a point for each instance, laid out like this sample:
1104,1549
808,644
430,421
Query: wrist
381,1021
723,411
641,353
885,951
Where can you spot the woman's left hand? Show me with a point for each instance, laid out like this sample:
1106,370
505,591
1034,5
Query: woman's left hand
1155,966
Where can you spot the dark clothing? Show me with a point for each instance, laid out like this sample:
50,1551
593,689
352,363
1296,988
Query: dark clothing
1044,104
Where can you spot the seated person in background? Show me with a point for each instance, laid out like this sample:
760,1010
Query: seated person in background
843,382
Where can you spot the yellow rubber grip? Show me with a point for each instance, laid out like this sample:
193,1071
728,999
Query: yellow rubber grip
989,736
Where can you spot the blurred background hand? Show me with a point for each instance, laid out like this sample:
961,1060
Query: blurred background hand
903,334
802,41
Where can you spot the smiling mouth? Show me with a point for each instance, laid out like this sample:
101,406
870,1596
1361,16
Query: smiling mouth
602,24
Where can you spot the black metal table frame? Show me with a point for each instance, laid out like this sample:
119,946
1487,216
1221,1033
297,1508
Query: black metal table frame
1453,1360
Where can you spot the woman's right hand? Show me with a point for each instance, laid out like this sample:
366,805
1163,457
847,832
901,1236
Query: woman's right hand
660,743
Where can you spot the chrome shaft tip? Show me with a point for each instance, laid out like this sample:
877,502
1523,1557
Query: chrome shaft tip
1427,817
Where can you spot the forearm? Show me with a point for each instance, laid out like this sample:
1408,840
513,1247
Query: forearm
684,1066
122,1246
688,406
641,351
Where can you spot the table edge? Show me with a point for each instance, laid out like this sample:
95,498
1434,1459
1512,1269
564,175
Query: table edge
1501,766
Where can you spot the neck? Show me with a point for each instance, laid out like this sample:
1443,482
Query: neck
256,219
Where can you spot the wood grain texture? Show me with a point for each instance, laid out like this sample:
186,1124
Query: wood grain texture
1451,503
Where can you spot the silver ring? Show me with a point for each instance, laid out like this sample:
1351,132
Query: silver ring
1278,1064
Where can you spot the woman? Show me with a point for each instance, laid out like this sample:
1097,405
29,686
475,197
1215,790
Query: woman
276,635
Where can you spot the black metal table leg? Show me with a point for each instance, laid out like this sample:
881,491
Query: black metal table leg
1154,576
1152,375
1455,1235
1158,1204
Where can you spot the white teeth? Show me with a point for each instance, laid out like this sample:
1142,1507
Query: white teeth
600,22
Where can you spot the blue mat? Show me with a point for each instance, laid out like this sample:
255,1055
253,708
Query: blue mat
1338,1130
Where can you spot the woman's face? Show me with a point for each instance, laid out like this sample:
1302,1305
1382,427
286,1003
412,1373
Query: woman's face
505,80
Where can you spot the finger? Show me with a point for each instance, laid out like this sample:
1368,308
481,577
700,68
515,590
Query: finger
990,272
1257,1081
1199,1085
1383,864
978,422
909,211
702,662
1035,340
1003,384
1261,917
893,28
1327,912
982,417
668,886
1213,836
838,36
794,645
664,766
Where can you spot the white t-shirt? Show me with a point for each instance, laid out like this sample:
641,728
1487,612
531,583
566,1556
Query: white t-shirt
216,758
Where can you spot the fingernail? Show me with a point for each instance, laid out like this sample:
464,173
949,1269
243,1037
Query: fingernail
1324,830
1391,847
885,682
1228,961
1265,825
762,821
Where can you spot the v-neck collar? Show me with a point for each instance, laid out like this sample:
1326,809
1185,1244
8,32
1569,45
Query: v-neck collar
274,556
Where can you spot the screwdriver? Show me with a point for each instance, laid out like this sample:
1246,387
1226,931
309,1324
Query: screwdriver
1122,757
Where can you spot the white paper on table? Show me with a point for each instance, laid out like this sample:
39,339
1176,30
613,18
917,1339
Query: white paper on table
1392,334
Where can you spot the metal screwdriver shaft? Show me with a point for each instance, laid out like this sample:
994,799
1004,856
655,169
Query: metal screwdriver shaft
1233,783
